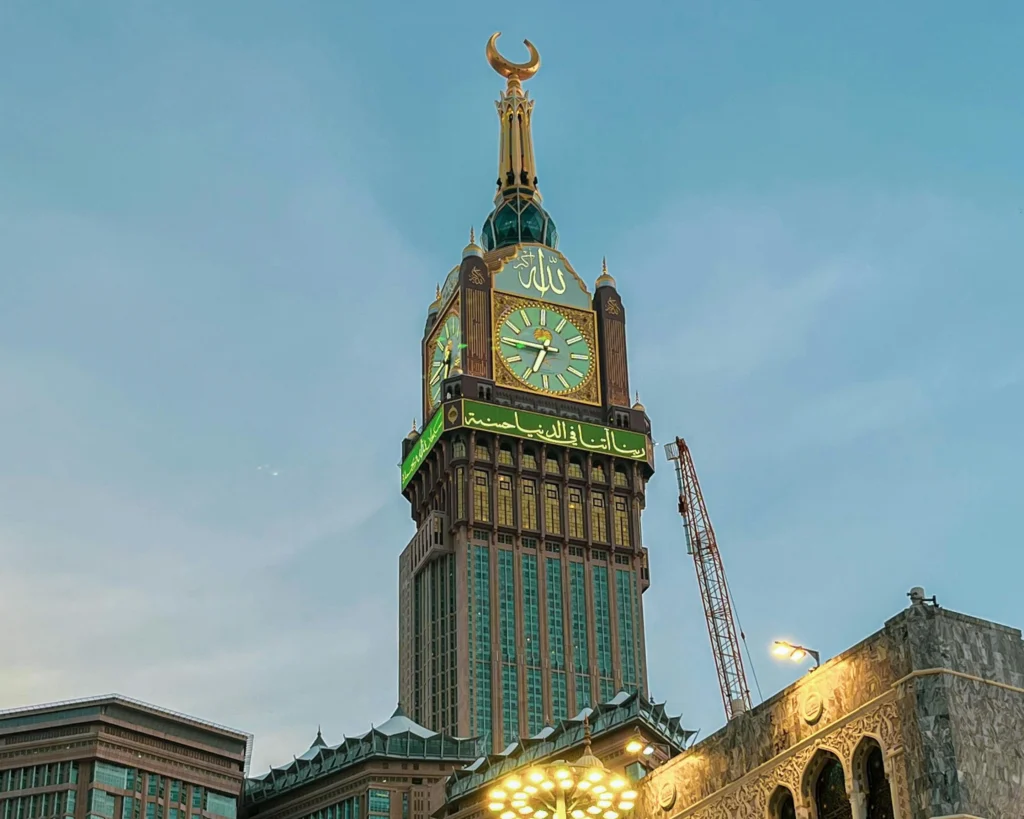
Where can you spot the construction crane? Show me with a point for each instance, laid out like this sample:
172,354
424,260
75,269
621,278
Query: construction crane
714,591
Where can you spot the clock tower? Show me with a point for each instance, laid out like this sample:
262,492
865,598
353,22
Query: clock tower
521,591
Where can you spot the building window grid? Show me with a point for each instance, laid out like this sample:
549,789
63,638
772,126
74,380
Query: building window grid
598,518
505,501
622,522
531,638
505,456
603,632
528,504
507,639
556,638
575,469
578,632
480,668
625,602
552,509
576,513
481,496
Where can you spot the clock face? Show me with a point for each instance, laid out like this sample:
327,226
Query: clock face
544,350
445,356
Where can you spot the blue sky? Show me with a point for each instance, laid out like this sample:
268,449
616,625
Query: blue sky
220,227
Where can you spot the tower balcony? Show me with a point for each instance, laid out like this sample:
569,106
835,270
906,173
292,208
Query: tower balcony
430,541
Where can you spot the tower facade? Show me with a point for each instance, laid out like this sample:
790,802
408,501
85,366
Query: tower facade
521,591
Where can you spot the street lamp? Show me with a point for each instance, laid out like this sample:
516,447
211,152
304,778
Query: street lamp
584,789
638,746
795,653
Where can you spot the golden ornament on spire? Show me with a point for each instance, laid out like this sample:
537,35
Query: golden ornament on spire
604,279
517,170
472,235
513,72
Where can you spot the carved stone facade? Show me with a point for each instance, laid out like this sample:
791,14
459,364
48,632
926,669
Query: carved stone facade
939,693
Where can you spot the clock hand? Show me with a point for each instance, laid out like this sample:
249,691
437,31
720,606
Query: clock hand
540,359
515,342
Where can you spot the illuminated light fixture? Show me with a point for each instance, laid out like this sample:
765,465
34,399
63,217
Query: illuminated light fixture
781,648
630,795
637,745
625,806
648,750
634,746
586,789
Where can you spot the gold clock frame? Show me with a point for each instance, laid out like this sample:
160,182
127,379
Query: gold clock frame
453,309
589,391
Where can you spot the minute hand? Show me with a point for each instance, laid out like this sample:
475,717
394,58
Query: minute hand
515,342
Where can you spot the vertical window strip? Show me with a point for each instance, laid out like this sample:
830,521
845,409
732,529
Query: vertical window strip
528,504
505,515
482,638
578,630
481,496
603,632
627,645
576,513
531,638
552,509
507,638
622,522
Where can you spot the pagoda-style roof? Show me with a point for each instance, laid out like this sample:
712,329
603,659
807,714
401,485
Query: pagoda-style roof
623,709
398,738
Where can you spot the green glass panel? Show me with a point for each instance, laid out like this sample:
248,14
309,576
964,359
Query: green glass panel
532,224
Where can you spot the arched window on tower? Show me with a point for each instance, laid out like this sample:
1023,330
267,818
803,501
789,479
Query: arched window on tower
551,465
597,473
529,459
830,795
621,479
505,456
459,448
482,451
575,468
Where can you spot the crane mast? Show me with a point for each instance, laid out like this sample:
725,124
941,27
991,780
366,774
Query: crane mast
714,592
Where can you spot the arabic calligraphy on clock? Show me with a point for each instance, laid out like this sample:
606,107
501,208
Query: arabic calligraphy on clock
539,273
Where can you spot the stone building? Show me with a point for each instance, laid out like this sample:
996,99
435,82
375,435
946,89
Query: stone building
923,719
116,758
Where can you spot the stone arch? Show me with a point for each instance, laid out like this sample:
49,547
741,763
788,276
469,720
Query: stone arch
823,758
781,804
871,783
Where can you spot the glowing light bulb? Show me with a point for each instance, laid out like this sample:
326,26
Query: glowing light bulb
577,814
526,810
599,789
518,803
625,806
547,784
541,814
595,776
797,655
561,773
536,776
610,814
530,789
584,784
497,794
634,746
630,795
509,814
497,806
566,784
513,784
617,783
593,810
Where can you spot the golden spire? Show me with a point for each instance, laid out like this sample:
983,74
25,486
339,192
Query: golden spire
604,279
472,235
435,305
637,405
516,164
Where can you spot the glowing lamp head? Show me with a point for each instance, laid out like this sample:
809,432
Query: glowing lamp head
634,746
547,784
648,750
595,776
536,776
561,773
497,806
509,814
584,784
617,784
513,784
781,649
797,655
593,810
625,806
497,794
630,795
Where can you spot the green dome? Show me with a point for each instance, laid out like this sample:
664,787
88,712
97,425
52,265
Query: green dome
517,220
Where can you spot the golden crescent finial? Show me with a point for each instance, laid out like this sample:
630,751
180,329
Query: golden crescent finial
508,69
